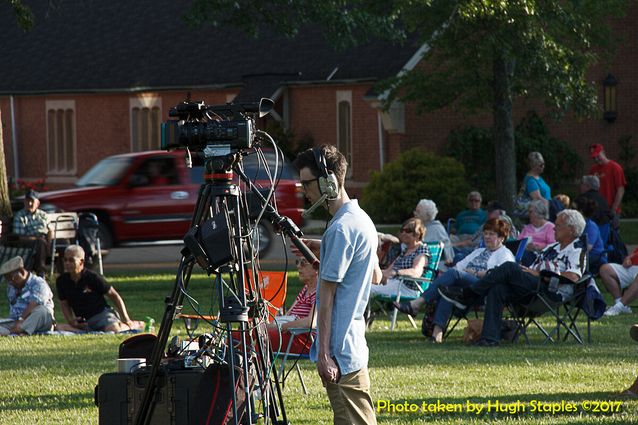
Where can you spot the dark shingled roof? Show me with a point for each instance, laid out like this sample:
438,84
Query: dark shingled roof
120,45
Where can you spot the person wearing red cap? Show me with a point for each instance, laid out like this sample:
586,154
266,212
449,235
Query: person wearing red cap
611,175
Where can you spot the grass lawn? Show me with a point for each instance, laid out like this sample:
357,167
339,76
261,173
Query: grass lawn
50,379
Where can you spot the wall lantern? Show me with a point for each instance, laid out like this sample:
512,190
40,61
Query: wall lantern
609,84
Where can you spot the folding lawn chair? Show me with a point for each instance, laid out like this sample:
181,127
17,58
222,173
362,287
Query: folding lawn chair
64,228
544,301
421,284
517,247
288,355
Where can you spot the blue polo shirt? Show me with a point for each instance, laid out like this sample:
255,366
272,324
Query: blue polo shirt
348,258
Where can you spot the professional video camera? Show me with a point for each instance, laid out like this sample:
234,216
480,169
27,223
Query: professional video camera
199,126
228,376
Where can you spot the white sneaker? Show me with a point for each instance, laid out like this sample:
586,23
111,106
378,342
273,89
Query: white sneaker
618,308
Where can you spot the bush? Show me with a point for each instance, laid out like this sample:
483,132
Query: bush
474,147
392,194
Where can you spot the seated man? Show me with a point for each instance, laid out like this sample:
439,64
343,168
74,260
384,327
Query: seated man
511,282
81,293
618,277
30,300
31,225
468,221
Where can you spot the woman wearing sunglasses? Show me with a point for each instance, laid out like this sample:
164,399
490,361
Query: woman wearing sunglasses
411,263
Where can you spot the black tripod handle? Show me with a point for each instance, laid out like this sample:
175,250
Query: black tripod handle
305,251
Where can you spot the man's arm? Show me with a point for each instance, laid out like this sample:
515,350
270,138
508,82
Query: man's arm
327,368
119,305
620,192
69,316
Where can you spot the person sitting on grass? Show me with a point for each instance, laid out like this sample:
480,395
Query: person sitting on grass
465,273
301,314
30,300
511,282
619,277
81,293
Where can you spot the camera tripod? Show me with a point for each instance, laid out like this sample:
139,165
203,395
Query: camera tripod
220,242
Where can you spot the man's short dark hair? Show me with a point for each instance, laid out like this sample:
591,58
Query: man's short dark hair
335,162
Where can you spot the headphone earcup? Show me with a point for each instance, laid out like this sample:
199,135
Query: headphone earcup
329,186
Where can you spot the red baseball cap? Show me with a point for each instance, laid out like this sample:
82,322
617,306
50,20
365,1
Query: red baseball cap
595,150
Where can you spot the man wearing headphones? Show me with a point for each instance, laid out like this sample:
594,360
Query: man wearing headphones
349,265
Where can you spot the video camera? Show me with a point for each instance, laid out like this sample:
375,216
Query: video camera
199,126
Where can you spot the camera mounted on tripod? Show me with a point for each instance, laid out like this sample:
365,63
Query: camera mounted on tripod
215,130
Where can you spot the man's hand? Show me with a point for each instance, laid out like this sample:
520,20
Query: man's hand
328,370
531,271
79,323
313,244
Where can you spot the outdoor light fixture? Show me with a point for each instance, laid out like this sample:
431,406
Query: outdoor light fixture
609,84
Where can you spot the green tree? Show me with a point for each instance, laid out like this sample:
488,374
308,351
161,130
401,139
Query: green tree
474,147
481,54
24,16
392,194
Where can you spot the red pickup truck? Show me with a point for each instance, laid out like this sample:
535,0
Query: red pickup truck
151,196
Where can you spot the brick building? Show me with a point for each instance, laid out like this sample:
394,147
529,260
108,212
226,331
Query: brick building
96,79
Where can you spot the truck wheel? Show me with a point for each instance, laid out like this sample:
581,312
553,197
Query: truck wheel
106,236
266,237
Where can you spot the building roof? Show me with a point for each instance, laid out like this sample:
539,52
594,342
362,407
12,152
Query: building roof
120,45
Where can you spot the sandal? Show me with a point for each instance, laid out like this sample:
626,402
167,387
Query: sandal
405,308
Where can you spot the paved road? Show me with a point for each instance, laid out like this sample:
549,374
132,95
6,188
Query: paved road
167,257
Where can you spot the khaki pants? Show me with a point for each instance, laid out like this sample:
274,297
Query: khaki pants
40,320
350,399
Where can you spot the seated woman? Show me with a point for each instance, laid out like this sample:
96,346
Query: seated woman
301,314
539,231
465,273
411,263
426,211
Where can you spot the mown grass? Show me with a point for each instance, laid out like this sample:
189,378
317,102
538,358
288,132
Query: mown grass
50,379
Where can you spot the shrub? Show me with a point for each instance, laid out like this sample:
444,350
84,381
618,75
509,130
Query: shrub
474,147
392,194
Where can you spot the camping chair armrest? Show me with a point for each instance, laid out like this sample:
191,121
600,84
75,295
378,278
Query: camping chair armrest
300,331
546,275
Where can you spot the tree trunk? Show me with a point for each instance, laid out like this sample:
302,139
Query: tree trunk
505,153
5,201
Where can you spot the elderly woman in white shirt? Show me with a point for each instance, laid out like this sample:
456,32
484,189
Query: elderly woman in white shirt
434,230
465,273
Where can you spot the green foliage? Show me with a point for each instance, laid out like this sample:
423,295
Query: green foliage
24,15
288,140
474,147
392,194
628,153
549,45
562,164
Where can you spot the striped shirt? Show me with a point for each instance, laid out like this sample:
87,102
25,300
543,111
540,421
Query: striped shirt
304,303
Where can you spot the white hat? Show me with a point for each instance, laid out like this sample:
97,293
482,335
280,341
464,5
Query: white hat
11,265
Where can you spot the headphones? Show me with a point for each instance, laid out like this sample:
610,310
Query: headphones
328,184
